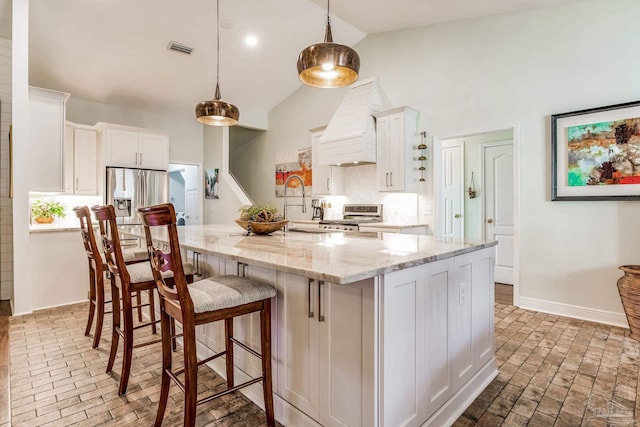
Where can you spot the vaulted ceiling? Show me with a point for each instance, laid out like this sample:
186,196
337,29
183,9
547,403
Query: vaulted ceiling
115,51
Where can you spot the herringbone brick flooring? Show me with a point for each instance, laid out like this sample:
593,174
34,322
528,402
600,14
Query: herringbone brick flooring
554,371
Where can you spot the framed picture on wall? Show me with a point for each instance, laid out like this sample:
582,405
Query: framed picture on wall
211,184
595,153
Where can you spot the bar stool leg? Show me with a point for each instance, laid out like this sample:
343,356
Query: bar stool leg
115,337
92,300
265,341
139,303
127,332
190,375
152,312
165,325
228,333
99,290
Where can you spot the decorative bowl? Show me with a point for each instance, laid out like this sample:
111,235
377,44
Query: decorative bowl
262,227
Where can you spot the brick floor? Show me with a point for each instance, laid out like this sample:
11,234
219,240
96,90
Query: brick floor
58,379
553,371
556,371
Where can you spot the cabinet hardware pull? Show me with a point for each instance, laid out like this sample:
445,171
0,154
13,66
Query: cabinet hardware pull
136,158
76,183
328,185
241,267
490,221
390,179
386,179
320,315
311,313
457,216
198,270
140,159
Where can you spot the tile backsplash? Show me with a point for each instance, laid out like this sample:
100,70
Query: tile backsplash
361,187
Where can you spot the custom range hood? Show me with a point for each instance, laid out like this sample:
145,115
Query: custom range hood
350,137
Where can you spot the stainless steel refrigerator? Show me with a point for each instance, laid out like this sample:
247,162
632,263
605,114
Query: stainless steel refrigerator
129,189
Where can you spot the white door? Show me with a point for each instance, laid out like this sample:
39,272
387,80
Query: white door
498,205
192,207
451,206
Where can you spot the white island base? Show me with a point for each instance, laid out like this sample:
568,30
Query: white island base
410,347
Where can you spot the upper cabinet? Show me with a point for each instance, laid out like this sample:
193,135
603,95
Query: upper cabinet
327,180
397,130
47,112
136,148
81,160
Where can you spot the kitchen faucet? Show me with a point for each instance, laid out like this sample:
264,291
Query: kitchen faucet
303,204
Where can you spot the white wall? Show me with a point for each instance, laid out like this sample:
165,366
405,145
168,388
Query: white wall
6,212
186,133
216,151
500,71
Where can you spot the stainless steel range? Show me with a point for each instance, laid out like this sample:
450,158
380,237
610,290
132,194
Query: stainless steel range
353,216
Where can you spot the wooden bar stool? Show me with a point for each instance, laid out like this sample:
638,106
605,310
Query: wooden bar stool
128,279
97,268
206,301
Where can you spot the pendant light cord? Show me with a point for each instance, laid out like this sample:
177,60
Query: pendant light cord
218,40
328,18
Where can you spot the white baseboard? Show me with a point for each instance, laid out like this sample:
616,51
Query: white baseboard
575,311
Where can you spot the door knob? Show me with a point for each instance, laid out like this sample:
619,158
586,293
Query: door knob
457,216
490,221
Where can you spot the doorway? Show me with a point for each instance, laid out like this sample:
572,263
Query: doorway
185,192
484,181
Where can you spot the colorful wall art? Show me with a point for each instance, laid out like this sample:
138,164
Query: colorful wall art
293,163
596,153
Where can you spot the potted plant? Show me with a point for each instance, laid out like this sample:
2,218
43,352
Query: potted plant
44,211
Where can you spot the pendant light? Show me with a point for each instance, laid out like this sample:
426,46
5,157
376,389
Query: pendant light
328,64
217,112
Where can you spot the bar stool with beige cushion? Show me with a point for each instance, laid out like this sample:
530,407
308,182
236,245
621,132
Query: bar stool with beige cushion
127,280
97,268
206,301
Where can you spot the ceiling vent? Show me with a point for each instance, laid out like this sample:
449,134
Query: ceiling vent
179,47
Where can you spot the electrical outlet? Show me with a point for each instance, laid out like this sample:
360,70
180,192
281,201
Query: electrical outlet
428,210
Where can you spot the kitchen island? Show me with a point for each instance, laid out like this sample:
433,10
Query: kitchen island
395,330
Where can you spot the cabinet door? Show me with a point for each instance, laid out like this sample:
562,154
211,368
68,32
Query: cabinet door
327,180
153,151
122,148
84,163
382,139
297,363
247,328
68,159
396,147
46,139
346,349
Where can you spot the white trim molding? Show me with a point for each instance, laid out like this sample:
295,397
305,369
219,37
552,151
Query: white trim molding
574,311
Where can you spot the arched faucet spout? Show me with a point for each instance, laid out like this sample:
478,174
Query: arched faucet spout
303,204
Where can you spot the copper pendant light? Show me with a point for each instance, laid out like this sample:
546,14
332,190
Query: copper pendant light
328,64
216,112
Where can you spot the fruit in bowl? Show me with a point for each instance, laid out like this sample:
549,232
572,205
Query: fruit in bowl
260,219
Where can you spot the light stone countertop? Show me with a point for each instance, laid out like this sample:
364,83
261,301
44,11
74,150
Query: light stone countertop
334,257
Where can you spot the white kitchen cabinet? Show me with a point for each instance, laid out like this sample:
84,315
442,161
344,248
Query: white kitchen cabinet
81,164
327,180
324,368
397,130
434,341
47,111
136,148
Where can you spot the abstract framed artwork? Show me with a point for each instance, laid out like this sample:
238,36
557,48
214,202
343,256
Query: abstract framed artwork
211,184
595,153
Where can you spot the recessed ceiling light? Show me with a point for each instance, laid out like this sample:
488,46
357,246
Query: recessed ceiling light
251,40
